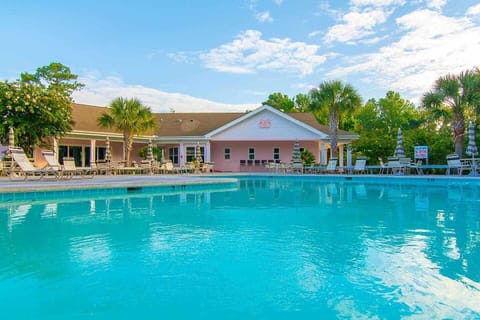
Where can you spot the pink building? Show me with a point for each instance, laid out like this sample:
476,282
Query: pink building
232,141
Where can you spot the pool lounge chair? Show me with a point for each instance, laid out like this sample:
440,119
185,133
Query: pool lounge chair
395,166
332,165
455,164
69,167
24,168
53,165
360,165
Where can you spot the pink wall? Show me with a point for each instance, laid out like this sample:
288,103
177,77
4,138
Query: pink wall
263,151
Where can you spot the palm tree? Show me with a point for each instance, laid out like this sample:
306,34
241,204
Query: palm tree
337,98
458,93
130,117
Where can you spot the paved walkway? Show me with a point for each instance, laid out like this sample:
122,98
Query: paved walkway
7,185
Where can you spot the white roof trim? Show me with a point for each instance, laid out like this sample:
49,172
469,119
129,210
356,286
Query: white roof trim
322,135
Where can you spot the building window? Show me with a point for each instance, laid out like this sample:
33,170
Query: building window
173,154
101,153
190,154
276,153
76,152
251,153
227,153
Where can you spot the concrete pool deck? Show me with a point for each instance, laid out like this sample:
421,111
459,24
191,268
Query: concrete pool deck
114,181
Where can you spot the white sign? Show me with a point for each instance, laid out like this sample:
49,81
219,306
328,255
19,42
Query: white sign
421,152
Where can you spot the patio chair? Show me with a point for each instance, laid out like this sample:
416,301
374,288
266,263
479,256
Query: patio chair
332,165
360,165
170,168
3,170
296,168
25,168
417,166
395,166
146,166
205,167
52,164
456,164
383,167
71,168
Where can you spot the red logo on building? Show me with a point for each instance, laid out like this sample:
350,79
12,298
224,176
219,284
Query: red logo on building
265,123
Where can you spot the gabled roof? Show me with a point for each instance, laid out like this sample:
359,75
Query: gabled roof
304,119
194,124
85,117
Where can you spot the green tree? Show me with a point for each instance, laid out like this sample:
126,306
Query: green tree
157,153
280,101
129,116
338,99
302,102
378,121
38,106
460,93
307,157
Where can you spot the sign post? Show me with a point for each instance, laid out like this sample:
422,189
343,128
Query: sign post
421,152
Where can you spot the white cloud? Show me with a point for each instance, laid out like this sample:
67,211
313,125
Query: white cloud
376,3
315,33
101,91
260,16
250,53
373,40
182,56
278,2
264,17
473,11
433,45
436,4
356,25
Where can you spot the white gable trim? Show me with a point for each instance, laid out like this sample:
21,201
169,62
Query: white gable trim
322,135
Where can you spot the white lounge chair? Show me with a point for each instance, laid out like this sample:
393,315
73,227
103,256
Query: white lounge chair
53,165
360,165
70,167
456,164
332,165
394,166
23,166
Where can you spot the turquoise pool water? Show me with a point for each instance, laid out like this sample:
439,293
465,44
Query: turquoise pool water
275,248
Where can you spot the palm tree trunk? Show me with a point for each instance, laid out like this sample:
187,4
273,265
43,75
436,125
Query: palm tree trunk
127,145
458,126
128,148
333,124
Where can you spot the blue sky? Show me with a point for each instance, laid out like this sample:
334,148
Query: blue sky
208,55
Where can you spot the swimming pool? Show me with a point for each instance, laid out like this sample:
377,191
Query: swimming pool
275,247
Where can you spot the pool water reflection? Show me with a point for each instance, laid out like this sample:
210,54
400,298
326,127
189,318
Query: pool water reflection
275,248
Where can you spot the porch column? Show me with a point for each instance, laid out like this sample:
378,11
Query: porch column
207,152
349,155
340,155
323,153
181,154
93,151
55,147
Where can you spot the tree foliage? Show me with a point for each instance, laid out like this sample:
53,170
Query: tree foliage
282,102
458,93
336,99
129,116
38,105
